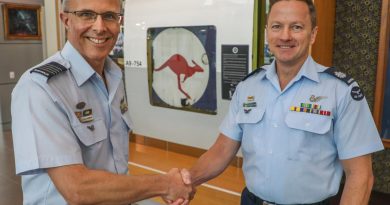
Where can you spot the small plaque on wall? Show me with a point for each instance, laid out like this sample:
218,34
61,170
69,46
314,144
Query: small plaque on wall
234,67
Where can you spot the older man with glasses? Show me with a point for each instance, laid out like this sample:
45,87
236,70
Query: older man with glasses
71,121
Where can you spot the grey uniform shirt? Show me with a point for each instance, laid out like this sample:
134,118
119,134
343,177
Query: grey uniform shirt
68,117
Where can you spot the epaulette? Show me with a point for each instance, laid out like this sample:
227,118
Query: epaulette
49,70
340,75
356,92
253,73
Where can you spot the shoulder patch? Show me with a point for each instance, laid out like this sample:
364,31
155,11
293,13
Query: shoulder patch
49,70
253,73
357,93
340,75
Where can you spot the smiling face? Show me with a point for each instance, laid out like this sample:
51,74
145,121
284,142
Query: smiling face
95,40
290,32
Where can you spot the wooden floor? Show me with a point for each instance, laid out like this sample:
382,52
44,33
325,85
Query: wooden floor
225,189
10,189
140,156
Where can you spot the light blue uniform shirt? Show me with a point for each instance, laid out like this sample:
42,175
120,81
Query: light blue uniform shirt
71,118
292,156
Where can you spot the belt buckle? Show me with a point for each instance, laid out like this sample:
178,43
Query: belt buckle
267,203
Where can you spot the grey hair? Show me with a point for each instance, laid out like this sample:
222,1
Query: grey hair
65,4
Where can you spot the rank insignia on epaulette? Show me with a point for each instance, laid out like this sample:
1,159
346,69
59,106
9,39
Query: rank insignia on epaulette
340,75
123,106
49,70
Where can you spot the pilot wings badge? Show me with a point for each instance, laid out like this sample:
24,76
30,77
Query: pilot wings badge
313,98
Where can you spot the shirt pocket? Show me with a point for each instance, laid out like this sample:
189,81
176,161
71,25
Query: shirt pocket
91,133
250,124
308,134
254,116
318,124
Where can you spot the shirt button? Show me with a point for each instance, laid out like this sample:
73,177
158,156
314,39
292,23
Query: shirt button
307,124
275,125
270,151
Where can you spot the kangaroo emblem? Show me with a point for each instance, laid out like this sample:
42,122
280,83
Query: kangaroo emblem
178,64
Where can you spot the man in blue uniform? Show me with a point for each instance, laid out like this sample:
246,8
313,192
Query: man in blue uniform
71,122
299,124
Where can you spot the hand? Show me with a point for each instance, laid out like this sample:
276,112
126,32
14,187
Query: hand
186,176
178,193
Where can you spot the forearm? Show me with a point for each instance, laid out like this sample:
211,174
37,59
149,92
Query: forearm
122,189
359,181
85,186
357,190
214,161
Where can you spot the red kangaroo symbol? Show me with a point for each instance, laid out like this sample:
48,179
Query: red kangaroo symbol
178,64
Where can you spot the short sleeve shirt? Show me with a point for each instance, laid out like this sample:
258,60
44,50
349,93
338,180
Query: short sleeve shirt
69,118
292,140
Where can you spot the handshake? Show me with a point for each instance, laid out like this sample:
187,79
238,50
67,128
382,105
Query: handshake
180,187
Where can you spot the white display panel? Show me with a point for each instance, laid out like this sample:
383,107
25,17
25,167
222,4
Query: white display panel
233,20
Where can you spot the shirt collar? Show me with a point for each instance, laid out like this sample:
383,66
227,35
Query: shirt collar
309,70
80,68
111,68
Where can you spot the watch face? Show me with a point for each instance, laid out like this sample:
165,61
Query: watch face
182,68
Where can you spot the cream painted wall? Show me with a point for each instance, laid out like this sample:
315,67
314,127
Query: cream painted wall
50,36
234,22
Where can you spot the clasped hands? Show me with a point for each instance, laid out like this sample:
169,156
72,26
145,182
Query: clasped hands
180,188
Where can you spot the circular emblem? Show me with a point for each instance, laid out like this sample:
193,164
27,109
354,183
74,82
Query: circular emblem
80,105
235,50
357,93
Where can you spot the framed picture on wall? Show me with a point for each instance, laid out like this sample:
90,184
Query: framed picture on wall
181,68
22,22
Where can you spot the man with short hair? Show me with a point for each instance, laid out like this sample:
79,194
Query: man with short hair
299,124
70,120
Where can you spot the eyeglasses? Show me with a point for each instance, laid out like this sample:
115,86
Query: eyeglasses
91,16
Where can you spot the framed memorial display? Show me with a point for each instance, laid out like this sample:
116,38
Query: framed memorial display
22,22
181,68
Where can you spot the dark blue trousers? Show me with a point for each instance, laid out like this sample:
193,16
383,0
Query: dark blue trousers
248,198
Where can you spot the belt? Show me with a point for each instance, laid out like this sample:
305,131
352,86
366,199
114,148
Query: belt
259,201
